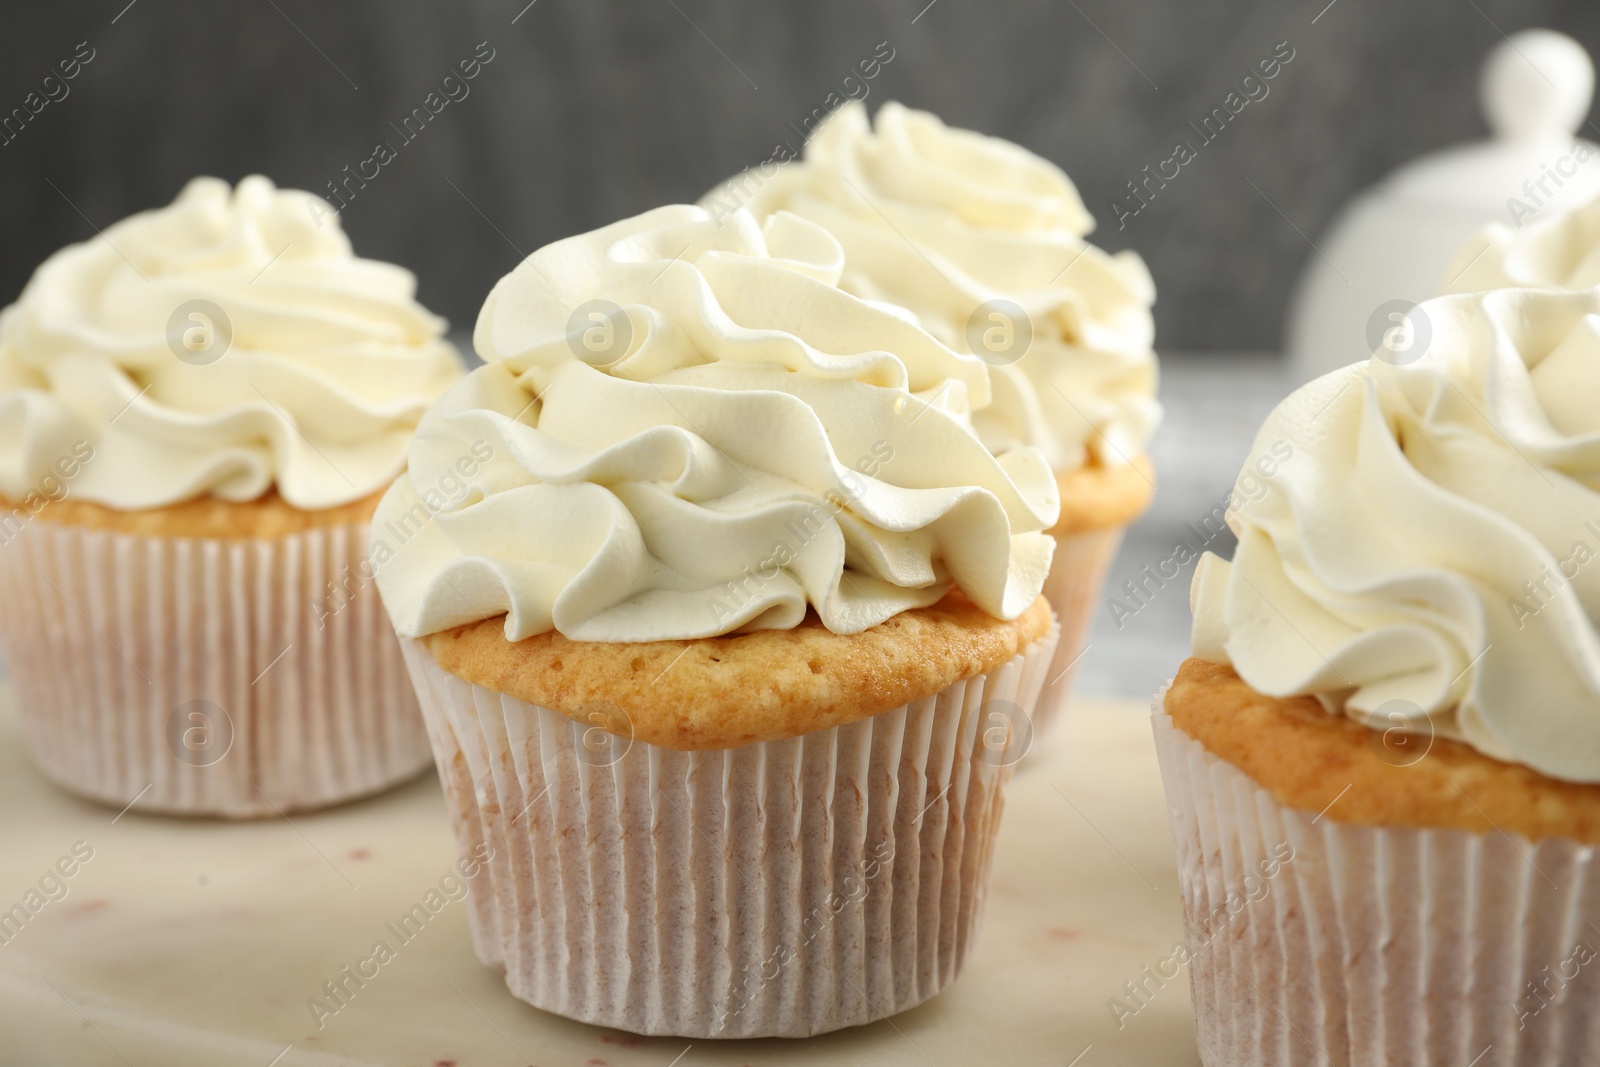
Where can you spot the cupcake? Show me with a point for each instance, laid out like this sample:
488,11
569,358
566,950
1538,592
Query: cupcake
727,649
1383,762
199,410
983,243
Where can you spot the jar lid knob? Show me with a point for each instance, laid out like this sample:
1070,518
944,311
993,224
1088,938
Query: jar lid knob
1536,84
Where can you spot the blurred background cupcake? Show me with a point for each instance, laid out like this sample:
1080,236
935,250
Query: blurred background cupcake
199,409
1393,713
983,243
729,643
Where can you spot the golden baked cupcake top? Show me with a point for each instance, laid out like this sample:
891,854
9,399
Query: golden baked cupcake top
1098,497
1333,766
266,517
686,429
227,346
984,242
725,692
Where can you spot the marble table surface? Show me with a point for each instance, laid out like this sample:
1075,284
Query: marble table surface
195,942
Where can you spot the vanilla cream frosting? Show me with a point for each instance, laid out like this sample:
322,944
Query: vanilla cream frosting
310,379
685,429
942,222
1561,251
1428,555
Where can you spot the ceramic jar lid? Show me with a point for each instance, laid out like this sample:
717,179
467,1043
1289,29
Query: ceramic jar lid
1394,241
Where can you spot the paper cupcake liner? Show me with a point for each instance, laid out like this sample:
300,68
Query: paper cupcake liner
1313,942
1077,574
782,889
200,676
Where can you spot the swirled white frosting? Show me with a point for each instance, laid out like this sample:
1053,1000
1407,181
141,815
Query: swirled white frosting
330,364
1428,554
747,441
943,222
1561,251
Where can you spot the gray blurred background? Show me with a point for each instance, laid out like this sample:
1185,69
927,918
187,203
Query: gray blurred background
592,110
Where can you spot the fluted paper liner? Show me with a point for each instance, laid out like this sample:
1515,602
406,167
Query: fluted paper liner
1077,574
1375,945
110,636
784,888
